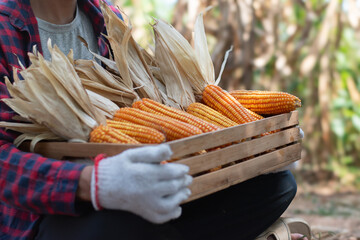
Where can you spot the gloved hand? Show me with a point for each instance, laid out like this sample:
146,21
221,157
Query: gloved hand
135,181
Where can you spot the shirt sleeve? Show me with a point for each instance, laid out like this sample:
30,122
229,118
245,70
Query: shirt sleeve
30,181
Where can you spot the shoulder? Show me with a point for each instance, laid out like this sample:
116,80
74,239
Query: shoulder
8,30
10,42
10,9
8,33
5,23
96,3
5,12
7,7
13,14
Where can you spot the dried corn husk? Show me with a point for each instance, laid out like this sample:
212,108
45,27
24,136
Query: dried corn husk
112,94
103,104
51,97
66,76
35,138
203,54
128,55
30,128
181,53
177,87
202,51
97,79
46,109
195,66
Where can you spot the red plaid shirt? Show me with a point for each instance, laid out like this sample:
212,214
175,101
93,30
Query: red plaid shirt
31,185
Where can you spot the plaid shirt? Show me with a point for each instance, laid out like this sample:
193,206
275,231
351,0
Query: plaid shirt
31,185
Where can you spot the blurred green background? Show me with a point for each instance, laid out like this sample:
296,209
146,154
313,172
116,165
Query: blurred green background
308,48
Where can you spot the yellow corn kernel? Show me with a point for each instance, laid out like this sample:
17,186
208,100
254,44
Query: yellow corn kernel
220,100
105,134
267,102
210,115
152,106
172,128
255,115
141,133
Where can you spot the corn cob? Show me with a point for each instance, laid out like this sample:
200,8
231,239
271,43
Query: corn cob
105,134
172,128
267,102
152,106
210,115
220,100
255,115
141,133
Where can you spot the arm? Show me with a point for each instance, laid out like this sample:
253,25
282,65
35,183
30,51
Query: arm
83,191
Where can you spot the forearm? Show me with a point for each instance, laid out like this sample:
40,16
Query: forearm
83,191
37,184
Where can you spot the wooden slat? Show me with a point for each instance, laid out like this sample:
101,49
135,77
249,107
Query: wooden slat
240,151
61,150
209,140
224,178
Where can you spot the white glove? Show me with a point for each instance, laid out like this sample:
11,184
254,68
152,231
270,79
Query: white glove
135,181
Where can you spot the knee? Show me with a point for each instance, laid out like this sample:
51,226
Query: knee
280,185
288,186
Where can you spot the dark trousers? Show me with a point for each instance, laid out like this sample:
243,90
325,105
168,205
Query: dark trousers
240,212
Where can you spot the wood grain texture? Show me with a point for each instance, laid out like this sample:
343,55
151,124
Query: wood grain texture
224,178
214,139
240,151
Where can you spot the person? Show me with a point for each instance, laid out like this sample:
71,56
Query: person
126,196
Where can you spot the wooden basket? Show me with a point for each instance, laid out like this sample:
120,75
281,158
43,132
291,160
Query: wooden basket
243,153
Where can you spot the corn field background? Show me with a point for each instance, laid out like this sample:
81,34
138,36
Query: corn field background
310,48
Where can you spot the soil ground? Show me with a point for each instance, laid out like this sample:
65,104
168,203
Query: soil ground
333,211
